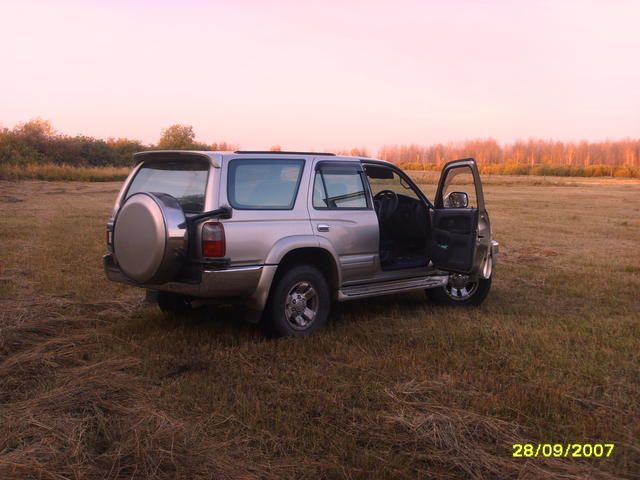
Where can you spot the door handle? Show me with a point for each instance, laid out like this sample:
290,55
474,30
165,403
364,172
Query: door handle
323,227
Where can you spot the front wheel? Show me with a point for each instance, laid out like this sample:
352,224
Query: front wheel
299,303
460,290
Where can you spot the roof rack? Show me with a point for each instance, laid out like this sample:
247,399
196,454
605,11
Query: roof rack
261,152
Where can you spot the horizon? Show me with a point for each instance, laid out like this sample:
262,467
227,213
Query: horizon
325,77
451,144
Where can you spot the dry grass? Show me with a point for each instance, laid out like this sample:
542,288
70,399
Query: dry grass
95,384
52,172
70,413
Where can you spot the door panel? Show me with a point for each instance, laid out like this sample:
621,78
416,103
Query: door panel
454,239
341,211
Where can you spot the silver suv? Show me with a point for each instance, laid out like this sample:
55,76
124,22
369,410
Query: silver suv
287,234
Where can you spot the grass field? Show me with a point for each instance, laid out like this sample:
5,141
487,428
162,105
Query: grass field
96,384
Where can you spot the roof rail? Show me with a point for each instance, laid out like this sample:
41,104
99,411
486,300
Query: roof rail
261,152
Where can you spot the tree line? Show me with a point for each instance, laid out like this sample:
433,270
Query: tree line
533,156
36,142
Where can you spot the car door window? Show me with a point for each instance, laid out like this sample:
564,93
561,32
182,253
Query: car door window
339,188
459,179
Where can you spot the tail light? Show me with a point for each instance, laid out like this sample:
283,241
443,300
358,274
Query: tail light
213,241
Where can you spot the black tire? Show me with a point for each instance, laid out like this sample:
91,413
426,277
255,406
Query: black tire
289,288
172,303
441,296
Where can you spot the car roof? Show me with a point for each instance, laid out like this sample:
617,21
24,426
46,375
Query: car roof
217,155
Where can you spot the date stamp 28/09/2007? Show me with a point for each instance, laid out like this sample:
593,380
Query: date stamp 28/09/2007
564,450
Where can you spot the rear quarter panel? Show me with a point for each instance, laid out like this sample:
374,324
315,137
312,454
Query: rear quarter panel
252,234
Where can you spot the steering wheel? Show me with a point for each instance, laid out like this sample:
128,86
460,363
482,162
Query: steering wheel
386,203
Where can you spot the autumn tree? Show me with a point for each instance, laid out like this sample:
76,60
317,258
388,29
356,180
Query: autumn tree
178,137
223,146
35,128
359,152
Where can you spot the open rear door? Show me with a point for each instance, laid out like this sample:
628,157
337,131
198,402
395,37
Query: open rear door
458,203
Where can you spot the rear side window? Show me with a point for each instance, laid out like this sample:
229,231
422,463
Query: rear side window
256,184
186,180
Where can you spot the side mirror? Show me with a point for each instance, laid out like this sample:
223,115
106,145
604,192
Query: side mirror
456,200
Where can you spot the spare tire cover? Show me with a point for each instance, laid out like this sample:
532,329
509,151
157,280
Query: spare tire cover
150,237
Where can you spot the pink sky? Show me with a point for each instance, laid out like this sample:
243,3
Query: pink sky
324,75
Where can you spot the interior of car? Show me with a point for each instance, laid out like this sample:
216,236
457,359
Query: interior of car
403,219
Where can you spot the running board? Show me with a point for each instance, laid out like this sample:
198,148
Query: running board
393,286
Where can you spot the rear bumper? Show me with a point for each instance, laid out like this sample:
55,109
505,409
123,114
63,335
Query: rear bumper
203,282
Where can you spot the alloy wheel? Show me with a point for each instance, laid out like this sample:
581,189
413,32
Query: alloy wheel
460,287
301,305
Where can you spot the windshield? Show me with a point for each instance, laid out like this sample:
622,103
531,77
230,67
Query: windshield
183,179
382,178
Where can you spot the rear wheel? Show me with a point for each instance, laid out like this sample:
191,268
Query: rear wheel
299,303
